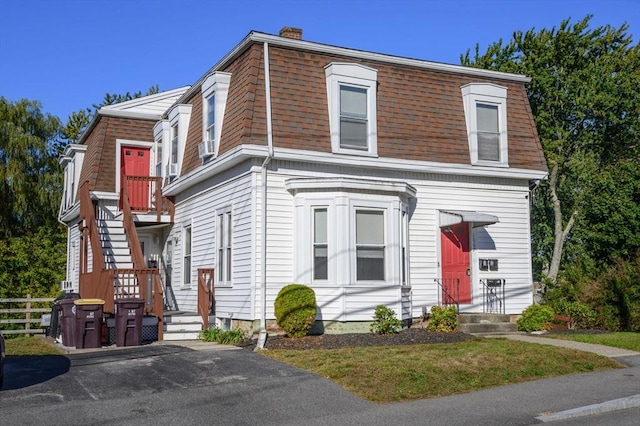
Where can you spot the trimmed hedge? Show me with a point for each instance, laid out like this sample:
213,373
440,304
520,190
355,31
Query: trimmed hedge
295,309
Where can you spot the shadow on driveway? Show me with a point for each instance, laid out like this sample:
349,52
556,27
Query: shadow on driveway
28,370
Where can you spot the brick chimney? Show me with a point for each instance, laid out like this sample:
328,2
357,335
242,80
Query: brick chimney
290,32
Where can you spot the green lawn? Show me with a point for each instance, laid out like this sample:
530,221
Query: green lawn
623,340
401,373
35,345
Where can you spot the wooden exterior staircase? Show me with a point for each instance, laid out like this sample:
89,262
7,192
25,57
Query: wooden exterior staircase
111,260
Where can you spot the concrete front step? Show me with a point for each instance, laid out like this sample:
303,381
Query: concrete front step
486,323
179,336
483,318
477,328
182,326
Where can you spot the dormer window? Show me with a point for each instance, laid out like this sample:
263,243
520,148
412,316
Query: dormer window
179,117
485,109
214,99
351,95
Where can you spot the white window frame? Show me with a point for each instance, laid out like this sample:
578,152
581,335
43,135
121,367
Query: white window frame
179,117
187,231
360,245
315,244
216,85
474,94
224,247
357,76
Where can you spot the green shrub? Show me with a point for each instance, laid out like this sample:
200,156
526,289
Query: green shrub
582,316
443,319
385,321
535,318
295,309
224,337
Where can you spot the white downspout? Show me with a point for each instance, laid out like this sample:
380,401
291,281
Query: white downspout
262,338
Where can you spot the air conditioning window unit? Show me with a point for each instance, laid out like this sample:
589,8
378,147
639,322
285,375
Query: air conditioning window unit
206,149
172,169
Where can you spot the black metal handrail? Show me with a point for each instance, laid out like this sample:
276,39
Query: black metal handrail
445,297
493,296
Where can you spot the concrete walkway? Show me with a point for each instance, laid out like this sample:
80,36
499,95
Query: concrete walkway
624,356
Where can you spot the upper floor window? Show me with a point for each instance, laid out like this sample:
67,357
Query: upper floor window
351,95
215,89
179,117
211,118
485,107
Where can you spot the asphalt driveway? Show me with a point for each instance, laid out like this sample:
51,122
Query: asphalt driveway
206,384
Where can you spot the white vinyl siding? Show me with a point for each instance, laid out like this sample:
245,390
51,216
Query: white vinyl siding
200,208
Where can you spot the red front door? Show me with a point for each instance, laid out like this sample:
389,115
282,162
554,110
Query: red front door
134,161
454,244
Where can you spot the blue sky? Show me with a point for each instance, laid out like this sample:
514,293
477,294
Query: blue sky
68,53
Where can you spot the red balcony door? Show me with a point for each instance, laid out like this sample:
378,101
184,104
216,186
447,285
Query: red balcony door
134,161
454,246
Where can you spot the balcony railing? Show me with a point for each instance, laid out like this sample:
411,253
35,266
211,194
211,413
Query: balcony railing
145,195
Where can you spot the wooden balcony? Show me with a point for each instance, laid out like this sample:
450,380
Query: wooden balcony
145,196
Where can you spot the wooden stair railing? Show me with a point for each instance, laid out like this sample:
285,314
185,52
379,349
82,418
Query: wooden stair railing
90,285
152,295
206,295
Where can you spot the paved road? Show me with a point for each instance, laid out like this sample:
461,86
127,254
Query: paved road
165,384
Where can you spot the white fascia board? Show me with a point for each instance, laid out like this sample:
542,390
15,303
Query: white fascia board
220,164
71,213
402,188
145,100
406,165
102,195
129,114
244,152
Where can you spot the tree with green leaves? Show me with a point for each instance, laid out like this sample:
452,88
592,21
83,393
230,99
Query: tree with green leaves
29,171
584,97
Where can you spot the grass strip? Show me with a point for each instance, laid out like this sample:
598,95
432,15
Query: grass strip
402,373
33,345
622,340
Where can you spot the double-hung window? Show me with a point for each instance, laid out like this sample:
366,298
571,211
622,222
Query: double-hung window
186,256
320,244
174,144
351,96
353,117
485,108
370,245
215,90
224,239
211,118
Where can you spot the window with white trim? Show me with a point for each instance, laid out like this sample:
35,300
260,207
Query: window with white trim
351,96
370,259
350,231
186,256
215,89
224,238
179,117
320,244
485,107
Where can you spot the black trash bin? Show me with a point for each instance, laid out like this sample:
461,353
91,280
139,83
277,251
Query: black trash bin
88,323
129,314
55,327
67,320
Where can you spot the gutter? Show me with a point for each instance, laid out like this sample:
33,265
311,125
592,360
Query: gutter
262,338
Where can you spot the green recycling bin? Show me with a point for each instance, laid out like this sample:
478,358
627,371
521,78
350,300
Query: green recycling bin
88,328
129,314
